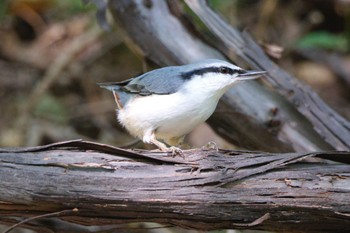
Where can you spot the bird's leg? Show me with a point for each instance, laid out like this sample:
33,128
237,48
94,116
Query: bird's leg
176,141
150,137
160,145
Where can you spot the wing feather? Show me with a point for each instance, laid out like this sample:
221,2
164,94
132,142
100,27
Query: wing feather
162,81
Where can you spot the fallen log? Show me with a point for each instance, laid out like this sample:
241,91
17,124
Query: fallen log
82,184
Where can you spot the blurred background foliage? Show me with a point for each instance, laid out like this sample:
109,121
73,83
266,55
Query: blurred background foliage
52,54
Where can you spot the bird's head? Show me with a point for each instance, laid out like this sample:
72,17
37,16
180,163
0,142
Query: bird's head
213,74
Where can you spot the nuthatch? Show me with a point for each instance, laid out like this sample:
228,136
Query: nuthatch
167,103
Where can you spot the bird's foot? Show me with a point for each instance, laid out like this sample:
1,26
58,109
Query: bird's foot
175,151
210,146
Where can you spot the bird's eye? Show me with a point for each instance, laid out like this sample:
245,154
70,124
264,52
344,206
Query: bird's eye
224,70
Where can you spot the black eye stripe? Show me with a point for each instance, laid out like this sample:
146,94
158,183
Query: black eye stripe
222,69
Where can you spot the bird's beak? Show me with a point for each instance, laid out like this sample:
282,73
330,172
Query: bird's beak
250,74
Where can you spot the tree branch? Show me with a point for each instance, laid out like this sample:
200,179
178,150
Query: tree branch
246,108
207,190
333,127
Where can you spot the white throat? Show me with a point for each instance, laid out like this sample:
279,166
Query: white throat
210,86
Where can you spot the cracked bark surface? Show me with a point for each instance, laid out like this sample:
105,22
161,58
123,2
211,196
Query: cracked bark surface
83,184
207,190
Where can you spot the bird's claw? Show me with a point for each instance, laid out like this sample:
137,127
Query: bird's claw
210,146
175,151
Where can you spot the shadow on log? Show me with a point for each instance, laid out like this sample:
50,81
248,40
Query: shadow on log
99,185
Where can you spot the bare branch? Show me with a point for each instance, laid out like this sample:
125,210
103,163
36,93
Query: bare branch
206,190
246,108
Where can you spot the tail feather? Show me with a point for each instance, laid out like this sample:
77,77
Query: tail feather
114,86
120,96
109,86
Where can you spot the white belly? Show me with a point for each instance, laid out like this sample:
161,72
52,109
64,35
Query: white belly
167,115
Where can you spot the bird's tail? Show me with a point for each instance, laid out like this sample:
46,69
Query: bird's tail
120,96
109,86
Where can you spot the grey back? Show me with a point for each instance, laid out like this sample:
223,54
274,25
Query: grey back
162,81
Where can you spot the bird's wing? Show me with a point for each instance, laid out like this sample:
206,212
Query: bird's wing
162,81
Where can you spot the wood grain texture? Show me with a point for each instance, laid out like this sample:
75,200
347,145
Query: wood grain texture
330,125
159,32
206,190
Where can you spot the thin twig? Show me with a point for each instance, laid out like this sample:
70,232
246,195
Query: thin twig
54,214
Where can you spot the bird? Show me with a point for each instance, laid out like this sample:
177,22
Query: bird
162,106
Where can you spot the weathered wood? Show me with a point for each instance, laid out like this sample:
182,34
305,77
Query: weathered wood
330,125
154,32
205,190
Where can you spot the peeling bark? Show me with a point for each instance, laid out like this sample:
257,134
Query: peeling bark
206,190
